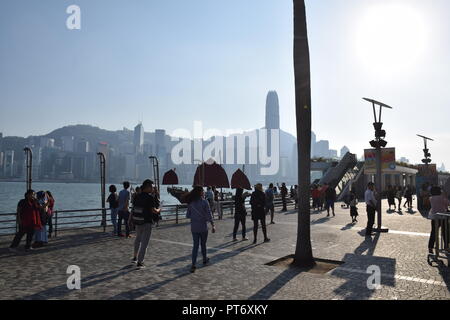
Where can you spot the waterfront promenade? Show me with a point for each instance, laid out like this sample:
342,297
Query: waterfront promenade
238,270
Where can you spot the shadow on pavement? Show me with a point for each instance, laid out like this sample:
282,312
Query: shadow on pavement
90,281
275,285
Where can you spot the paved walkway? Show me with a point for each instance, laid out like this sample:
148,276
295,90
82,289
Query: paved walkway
238,271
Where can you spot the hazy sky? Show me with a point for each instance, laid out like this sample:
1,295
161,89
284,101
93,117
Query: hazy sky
172,62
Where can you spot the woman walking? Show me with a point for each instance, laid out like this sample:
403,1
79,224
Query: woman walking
258,201
200,214
353,207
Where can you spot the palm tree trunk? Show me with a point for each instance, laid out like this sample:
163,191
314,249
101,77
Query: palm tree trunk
303,252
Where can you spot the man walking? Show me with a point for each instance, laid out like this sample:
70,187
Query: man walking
144,215
330,199
124,214
258,201
371,204
269,203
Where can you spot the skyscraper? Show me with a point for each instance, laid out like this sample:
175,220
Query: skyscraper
272,111
139,139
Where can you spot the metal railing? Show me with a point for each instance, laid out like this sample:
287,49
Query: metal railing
68,220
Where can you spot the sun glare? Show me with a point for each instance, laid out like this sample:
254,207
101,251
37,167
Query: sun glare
390,38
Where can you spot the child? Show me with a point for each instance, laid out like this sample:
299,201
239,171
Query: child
353,208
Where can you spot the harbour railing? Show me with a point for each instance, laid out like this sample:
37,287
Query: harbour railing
69,220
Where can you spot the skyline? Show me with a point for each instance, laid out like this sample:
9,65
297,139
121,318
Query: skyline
152,58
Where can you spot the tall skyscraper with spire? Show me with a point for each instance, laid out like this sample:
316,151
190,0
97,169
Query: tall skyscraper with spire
139,138
272,111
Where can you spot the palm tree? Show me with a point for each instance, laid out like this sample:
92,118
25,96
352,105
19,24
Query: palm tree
303,252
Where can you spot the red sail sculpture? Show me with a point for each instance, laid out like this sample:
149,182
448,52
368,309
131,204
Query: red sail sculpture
240,180
211,175
170,178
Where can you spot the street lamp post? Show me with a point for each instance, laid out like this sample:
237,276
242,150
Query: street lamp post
426,151
378,144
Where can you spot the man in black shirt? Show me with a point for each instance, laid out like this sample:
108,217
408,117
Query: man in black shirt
145,213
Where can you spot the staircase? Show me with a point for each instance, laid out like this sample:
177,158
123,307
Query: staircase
342,171
349,179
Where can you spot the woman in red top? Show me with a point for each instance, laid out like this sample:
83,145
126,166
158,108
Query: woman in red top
28,219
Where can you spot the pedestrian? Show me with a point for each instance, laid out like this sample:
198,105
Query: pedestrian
123,210
200,214
408,198
258,201
240,214
295,196
284,192
399,195
210,198
353,207
390,193
28,220
371,205
41,235
113,200
425,198
270,207
51,208
217,202
330,199
322,190
439,204
143,215
315,197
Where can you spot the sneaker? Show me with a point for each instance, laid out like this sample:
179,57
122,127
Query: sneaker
206,261
244,239
13,250
267,240
193,269
272,222
140,265
29,248
235,239
134,260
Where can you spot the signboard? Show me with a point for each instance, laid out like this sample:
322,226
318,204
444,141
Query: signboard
387,159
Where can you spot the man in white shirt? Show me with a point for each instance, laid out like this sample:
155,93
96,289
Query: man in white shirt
371,204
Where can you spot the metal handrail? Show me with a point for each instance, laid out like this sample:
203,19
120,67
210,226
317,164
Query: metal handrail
170,213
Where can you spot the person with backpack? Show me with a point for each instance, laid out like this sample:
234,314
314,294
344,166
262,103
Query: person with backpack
144,215
269,203
240,213
200,214
258,202
113,200
28,220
